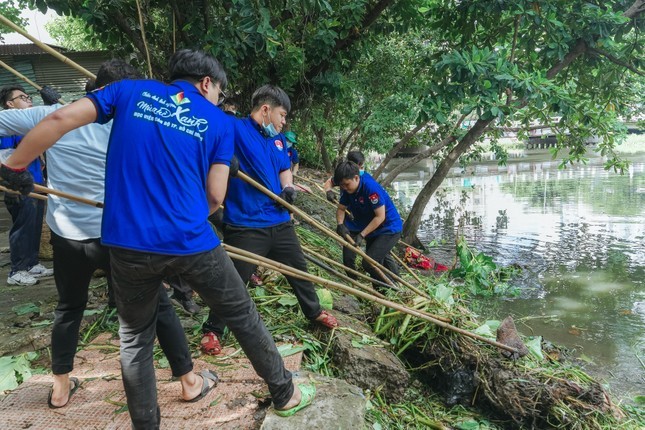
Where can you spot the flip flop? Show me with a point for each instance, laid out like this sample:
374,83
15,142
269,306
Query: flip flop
308,392
75,382
206,375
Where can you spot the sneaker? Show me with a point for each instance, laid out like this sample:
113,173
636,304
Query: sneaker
189,305
21,278
40,271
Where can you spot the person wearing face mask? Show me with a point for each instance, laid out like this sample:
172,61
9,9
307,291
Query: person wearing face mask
26,212
252,220
292,139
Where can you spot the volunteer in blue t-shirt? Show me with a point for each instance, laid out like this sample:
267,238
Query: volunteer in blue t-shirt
252,220
355,156
26,212
292,152
166,170
376,220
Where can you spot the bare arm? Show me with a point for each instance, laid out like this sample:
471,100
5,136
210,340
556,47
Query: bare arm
286,178
328,185
340,214
379,217
216,184
50,129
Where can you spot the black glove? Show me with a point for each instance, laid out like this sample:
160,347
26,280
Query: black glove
359,240
342,231
16,179
288,194
331,196
49,95
234,167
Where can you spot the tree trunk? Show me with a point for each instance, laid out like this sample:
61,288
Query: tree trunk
320,141
411,161
396,149
414,218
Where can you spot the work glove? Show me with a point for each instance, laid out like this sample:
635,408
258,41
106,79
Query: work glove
234,167
331,196
358,241
288,194
342,231
49,95
16,179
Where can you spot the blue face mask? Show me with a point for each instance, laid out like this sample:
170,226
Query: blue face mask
360,172
269,129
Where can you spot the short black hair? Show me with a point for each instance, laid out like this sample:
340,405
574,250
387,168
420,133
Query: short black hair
6,91
272,95
357,157
114,70
345,170
193,65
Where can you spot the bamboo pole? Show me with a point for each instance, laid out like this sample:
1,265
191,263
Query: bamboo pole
343,276
291,271
68,196
243,176
33,195
239,254
24,78
341,265
46,48
143,38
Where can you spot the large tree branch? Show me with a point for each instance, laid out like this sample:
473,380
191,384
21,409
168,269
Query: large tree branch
397,148
635,9
420,156
618,61
341,44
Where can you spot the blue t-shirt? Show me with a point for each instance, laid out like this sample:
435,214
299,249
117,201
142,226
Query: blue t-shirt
262,158
7,142
164,139
368,197
293,155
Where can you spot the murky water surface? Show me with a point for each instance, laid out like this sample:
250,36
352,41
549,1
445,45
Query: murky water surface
578,233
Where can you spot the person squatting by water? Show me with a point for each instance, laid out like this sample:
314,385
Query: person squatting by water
169,149
375,218
252,220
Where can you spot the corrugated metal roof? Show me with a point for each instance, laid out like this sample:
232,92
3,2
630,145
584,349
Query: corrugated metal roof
47,70
26,49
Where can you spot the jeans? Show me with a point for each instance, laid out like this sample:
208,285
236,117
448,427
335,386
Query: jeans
278,243
74,263
137,280
378,248
24,236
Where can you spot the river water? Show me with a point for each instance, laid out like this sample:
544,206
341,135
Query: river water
578,234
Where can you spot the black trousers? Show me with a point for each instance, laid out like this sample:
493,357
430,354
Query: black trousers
74,263
279,243
378,248
137,280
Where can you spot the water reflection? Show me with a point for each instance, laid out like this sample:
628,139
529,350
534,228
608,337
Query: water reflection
580,235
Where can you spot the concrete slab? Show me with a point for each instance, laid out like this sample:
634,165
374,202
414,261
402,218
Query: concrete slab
236,403
337,405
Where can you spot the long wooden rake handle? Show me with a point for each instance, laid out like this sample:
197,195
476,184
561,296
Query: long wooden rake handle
68,196
33,195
